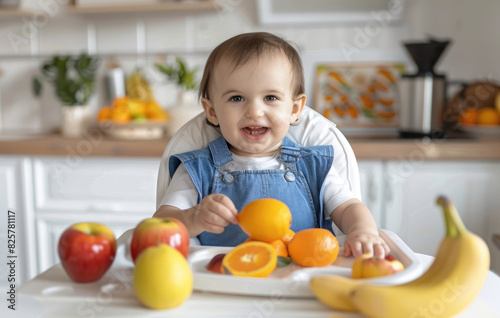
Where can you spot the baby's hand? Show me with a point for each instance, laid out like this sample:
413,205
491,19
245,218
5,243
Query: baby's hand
357,243
214,213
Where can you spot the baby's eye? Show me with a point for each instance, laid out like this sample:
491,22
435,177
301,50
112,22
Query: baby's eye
236,98
270,98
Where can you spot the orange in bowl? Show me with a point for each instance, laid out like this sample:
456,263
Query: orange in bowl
314,248
250,259
104,113
469,116
265,220
488,116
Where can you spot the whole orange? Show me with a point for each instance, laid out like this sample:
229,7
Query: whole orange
121,116
104,113
314,248
265,220
488,116
469,116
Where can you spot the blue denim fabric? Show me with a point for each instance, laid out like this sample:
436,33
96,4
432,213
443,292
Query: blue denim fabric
298,183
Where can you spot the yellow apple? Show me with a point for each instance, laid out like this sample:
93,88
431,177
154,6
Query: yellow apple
368,266
162,278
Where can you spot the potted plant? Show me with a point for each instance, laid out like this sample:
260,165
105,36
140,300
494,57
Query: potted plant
185,78
73,78
180,74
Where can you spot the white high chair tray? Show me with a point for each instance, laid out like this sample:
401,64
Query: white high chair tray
293,280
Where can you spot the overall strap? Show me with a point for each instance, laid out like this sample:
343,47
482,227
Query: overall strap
290,152
290,155
220,152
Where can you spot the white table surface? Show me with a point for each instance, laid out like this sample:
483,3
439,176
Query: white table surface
200,304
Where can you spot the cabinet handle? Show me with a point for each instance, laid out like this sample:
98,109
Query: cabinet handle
388,188
104,206
372,194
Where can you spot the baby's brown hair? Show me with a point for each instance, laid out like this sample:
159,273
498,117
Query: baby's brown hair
240,49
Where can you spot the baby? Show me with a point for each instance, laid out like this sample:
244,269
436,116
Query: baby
253,89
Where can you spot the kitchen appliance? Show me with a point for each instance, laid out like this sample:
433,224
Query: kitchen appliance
423,94
115,81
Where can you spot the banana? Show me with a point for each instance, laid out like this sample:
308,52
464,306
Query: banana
334,291
452,281
137,87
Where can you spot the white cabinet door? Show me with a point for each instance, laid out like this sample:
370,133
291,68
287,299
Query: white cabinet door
411,210
372,182
16,213
95,184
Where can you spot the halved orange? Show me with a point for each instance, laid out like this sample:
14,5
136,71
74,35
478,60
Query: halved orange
250,259
265,220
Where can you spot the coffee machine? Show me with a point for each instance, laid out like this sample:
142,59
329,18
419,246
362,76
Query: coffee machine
423,94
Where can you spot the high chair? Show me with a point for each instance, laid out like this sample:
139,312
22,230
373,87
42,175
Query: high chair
310,129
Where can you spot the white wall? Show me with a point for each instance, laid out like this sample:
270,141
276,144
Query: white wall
473,27
472,55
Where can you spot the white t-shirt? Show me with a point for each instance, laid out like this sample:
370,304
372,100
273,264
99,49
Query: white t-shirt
182,192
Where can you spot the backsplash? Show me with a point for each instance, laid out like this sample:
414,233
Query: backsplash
142,38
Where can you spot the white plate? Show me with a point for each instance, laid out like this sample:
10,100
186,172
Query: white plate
481,130
293,280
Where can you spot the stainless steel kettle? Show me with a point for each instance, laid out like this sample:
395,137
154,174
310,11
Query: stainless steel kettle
423,94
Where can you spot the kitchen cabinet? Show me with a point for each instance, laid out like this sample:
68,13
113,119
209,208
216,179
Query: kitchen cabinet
116,192
16,197
371,174
402,196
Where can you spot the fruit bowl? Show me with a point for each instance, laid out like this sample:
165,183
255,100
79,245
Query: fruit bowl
481,130
147,130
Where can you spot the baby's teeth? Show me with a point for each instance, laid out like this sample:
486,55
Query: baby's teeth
254,130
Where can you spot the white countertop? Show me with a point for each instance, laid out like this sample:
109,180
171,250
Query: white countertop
56,303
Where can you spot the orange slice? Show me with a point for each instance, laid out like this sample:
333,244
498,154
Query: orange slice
288,237
278,245
280,248
250,259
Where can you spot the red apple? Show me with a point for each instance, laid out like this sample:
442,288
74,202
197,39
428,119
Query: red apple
367,266
152,231
215,264
87,250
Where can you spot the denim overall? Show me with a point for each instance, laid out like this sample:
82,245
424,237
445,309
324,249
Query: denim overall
298,183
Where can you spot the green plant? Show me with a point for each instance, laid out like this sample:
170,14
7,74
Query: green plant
73,78
179,73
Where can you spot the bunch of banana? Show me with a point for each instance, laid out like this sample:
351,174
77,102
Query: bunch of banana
137,87
452,281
